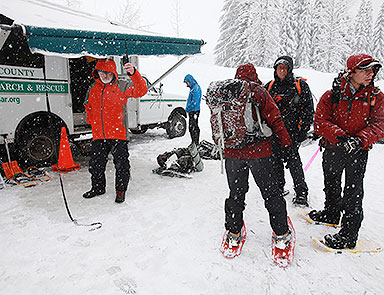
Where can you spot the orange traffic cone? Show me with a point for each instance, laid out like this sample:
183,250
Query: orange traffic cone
65,163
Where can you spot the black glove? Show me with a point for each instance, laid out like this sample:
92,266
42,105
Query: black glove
301,136
350,144
286,153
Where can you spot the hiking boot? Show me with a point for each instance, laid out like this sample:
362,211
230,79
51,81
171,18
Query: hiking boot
300,200
282,241
93,193
233,241
338,241
120,196
324,216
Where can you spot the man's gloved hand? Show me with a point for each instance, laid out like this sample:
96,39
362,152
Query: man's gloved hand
350,144
301,136
286,153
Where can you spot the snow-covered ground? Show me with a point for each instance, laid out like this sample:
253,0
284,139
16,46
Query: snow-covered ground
165,238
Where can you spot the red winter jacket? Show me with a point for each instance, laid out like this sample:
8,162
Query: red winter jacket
269,112
359,115
105,105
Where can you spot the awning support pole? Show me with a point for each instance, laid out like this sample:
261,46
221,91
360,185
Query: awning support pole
168,72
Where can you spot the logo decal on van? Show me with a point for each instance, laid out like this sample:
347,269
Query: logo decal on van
33,87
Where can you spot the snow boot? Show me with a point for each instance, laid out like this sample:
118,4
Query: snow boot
93,193
325,216
283,241
233,241
120,196
300,200
338,241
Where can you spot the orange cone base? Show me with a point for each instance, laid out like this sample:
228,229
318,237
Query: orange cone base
56,168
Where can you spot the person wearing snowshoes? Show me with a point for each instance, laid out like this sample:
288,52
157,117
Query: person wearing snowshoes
193,107
350,118
255,157
105,109
294,100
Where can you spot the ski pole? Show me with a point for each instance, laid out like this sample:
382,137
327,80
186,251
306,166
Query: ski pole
311,160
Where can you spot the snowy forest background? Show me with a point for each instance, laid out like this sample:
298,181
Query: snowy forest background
318,34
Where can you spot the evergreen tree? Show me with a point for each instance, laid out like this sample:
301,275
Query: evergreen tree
305,34
225,47
263,46
319,29
363,29
288,30
378,38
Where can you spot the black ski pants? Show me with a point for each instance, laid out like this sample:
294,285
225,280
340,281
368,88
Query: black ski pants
294,165
194,129
237,171
335,162
99,158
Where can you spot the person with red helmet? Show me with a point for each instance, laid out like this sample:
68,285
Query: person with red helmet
105,107
350,119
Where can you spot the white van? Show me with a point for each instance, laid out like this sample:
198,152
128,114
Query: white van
45,74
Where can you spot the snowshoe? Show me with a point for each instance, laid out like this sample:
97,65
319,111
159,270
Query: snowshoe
231,246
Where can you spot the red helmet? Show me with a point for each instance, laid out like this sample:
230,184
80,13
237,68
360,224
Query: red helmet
362,62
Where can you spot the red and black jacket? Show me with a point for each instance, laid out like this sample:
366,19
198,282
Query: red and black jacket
360,114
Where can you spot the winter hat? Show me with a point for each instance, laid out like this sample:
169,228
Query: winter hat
362,62
247,72
285,60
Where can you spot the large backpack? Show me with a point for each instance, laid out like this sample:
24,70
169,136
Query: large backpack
232,121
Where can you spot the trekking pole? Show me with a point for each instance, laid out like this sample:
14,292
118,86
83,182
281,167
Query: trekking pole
6,147
311,160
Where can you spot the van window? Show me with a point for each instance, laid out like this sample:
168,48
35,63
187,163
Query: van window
15,52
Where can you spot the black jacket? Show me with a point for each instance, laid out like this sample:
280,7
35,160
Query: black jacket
296,110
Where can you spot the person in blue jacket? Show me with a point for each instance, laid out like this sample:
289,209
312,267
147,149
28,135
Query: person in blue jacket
193,107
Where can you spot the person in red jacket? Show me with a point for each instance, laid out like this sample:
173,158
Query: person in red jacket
350,118
256,158
105,108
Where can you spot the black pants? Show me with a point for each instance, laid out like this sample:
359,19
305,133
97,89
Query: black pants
335,161
237,177
194,129
99,158
294,165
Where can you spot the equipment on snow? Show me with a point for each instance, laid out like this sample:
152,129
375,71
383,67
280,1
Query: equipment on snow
37,174
14,173
233,251
282,257
179,162
362,246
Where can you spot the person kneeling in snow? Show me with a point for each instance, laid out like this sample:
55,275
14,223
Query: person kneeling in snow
350,118
105,107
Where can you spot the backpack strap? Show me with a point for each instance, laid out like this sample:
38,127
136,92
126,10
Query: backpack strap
297,85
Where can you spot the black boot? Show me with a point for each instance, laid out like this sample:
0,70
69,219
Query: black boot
338,241
120,196
325,216
93,193
300,200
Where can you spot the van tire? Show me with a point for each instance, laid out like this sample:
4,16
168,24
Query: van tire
177,126
139,131
38,147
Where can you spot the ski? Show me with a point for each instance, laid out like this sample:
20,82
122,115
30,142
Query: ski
232,252
304,215
362,246
37,174
283,257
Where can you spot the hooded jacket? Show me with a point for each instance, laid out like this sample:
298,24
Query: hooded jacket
268,111
105,104
194,97
360,114
296,110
